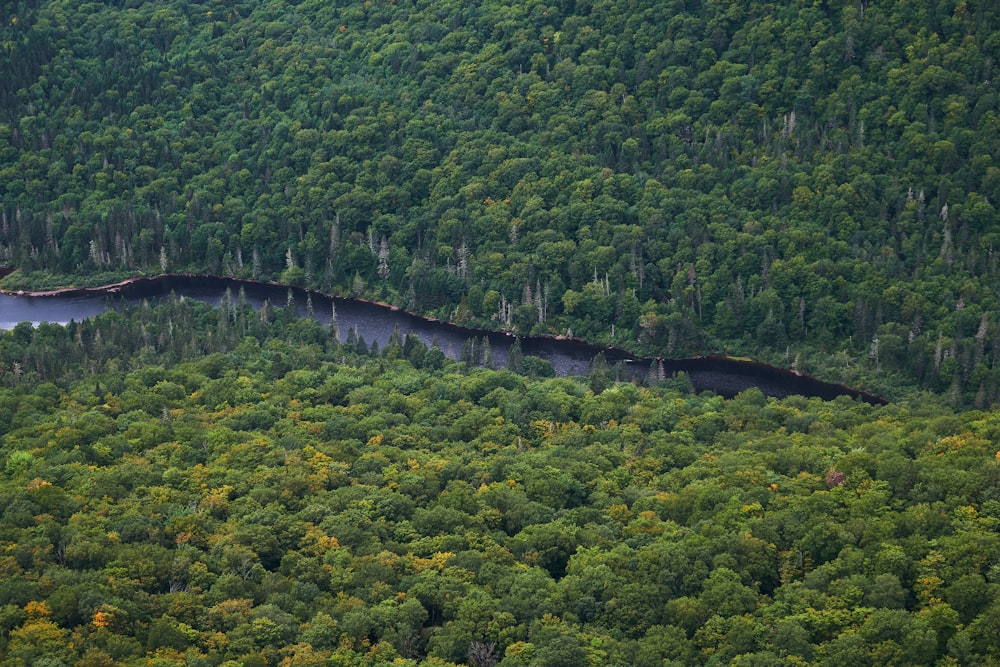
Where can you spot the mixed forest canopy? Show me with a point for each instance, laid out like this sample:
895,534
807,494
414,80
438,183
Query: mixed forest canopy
810,183
188,485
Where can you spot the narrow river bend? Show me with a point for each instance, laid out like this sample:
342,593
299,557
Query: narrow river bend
376,322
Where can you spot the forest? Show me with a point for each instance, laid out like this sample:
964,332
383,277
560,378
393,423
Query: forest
809,183
812,184
196,485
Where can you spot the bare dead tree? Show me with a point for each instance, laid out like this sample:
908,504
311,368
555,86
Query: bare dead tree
483,654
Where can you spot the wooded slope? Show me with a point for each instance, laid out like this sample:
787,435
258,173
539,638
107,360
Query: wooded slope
224,490
809,183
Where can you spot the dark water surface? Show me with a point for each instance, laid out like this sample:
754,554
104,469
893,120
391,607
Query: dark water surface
374,322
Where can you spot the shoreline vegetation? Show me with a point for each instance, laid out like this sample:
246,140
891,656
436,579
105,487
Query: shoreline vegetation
718,365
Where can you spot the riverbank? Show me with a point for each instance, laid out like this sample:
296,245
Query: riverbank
725,375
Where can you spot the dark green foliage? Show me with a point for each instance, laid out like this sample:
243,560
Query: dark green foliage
811,184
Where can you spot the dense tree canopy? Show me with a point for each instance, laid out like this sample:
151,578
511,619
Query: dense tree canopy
813,184
265,495
810,183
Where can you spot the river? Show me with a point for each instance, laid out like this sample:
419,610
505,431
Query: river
376,323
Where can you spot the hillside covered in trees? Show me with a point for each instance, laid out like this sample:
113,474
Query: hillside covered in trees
813,184
810,183
197,486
